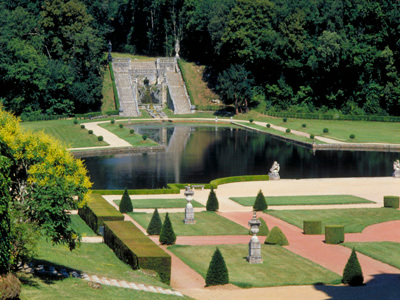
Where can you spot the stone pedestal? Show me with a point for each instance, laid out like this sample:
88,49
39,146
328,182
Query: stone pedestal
254,244
274,176
189,211
396,174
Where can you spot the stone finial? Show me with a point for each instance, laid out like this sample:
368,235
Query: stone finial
254,244
189,211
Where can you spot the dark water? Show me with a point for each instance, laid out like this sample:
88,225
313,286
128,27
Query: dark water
201,154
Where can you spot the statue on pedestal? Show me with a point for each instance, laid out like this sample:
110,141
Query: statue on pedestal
396,168
274,171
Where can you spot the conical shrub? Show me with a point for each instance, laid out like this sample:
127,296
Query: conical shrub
155,224
212,202
260,204
125,205
217,273
352,273
167,235
276,237
263,229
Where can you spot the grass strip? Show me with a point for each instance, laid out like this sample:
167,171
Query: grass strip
81,227
161,203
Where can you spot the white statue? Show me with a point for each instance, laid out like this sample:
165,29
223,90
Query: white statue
177,48
275,168
396,168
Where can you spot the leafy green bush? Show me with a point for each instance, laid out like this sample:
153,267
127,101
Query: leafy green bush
352,273
325,130
134,248
125,205
100,138
167,235
391,201
276,237
287,130
90,131
284,120
251,120
312,136
75,121
268,125
312,226
144,137
155,224
352,136
334,234
217,273
304,125
112,121
212,201
132,131
82,126
121,126
260,204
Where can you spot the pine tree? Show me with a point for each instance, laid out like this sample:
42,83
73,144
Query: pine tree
167,235
260,204
212,202
352,273
217,273
276,237
155,224
126,204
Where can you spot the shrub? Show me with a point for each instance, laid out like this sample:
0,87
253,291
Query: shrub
268,125
312,136
334,234
82,126
352,273
75,121
100,138
312,226
10,287
167,234
284,120
352,136
132,131
287,130
217,273
112,121
251,120
144,137
121,126
223,180
304,125
212,201
126,204
325,130
260,204
155,224
90,131
391,201
276,237
264,230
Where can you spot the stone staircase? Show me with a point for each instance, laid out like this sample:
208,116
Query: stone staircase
178,93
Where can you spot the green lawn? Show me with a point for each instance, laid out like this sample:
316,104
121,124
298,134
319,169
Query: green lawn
66,131
34,288
353,219
280,266
81,227
387,252
161,203
123,133
303,200
207,223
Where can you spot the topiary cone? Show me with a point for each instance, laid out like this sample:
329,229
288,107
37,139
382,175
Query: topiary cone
217,273
260,204
155,224
126,204
167,235
212,202
276,237
352,273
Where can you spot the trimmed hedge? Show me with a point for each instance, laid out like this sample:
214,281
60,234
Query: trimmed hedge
276,237
116,99
136,249
125,206
137,192
212,201
391,201
312,226
260,204
97,211
334,234
224,180
217,273
352,273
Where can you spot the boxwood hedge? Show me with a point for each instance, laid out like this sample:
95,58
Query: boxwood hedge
334,234
391,201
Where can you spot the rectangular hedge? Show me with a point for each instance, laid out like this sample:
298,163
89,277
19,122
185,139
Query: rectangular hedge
136,249
223,180
138,192
97,211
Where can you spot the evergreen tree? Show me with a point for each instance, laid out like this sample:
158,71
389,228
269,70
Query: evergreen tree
167,235
260,204
276,237
217,273
212,202
126,204
352,273
155,224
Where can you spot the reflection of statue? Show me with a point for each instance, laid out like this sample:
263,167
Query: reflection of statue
396,168
274,171
177,48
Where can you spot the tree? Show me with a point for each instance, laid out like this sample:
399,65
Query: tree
260,204
352,273
5,241
212,202
125,205
155,224
167,235
276,237
217,273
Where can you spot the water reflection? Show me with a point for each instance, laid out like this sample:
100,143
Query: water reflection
200,154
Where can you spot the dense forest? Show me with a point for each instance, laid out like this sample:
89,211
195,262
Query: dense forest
306,56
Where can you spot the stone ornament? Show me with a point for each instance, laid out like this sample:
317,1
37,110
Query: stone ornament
396,168
254,244
189,211
274,171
